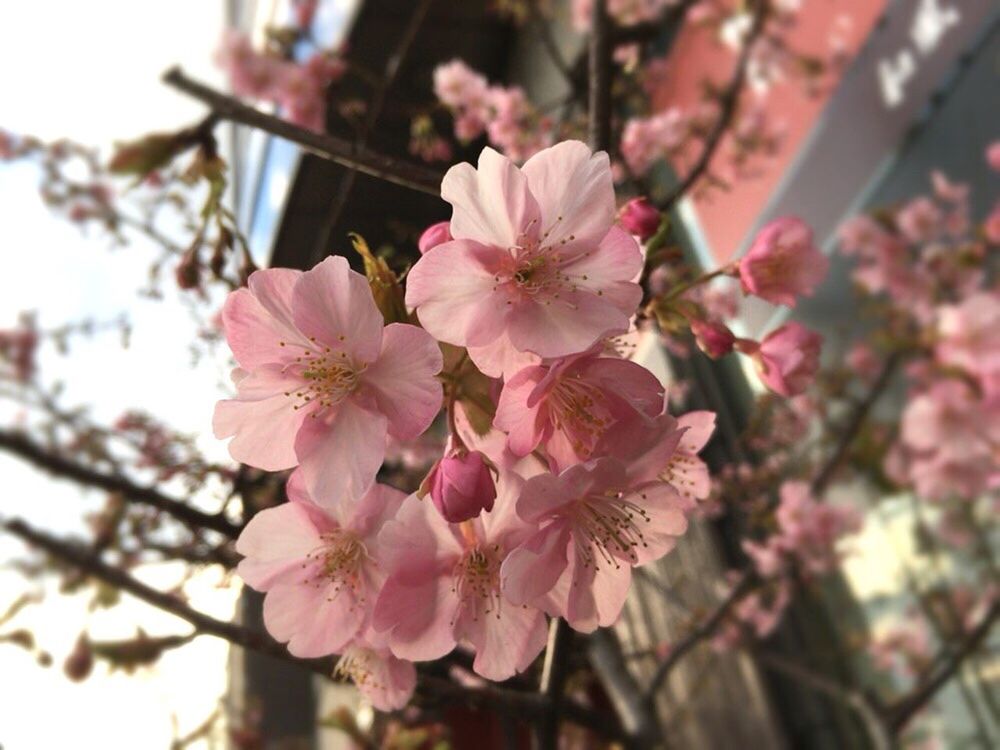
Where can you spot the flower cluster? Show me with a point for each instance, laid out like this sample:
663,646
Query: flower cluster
578,475
299,89
510,121
923,265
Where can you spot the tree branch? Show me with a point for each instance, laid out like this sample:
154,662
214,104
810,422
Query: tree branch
338,150
823,477
599,83
727,110
900,713
59,466
705,629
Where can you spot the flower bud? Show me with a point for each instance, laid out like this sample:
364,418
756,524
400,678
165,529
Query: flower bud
713,338
461,486
434,235
80,662
782,263
640,217
787,359
993,156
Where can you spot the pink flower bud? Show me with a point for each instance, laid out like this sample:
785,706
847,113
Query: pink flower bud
993,155
787,359
640,217
434,235
461,486
782,262
713,338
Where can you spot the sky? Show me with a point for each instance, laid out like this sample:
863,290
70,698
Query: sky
89,71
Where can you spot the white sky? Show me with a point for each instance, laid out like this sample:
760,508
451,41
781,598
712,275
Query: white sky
89,71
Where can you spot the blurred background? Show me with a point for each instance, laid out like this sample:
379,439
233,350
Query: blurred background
122,350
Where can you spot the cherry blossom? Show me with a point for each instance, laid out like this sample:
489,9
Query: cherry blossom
320,382
787,358
318,565
443,588
567,405
537,264
782,263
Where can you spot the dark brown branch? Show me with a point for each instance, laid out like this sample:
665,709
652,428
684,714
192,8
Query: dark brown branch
703,630
907,707
599,83
727,110
60,466
91,564
826,473
338,150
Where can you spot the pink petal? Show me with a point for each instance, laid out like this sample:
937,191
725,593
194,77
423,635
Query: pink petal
261,420
313,620
403,379
700,426
508,642
500,359
611,268
334,305
258,319
666,520
531,570
596,596
575,194
453,289
568,325
418,617
274,543
339,458
492,205
523,424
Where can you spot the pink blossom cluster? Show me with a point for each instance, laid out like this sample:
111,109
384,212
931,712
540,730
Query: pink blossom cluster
509,120
299,89
806,536
581,476
781,265
925,260
18,347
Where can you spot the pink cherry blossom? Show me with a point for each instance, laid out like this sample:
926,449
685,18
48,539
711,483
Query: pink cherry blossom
782,263
787,359
993,155
318,565
640,218
443,588
567,405
537,264
969,334
920,220
434,235
320,381
461,485
387,682
685,471
645,140
596,521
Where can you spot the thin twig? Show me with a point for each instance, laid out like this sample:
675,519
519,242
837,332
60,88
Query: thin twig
599,82
340,151
904,709
705,629
59,466
727,110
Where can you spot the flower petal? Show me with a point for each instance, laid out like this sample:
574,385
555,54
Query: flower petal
492,204
531,570
334,305
339,458
403,379
275,542
258,319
